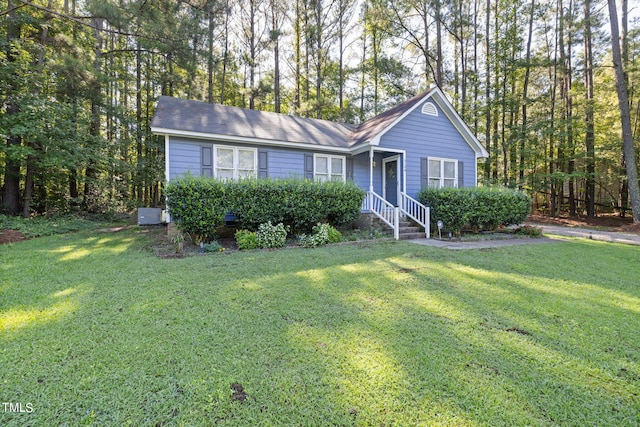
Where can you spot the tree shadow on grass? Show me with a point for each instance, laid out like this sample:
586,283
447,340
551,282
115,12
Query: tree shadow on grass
366,335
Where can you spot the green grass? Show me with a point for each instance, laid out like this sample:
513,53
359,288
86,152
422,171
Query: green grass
95,330
39,226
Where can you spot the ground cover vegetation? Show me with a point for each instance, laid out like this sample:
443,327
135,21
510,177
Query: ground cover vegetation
100,331
533,80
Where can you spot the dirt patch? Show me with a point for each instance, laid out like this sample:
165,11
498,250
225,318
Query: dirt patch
238,392
518,331
605,222
11,236
632,228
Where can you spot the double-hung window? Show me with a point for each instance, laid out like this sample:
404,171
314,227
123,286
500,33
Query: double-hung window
329,168
235,162
443,172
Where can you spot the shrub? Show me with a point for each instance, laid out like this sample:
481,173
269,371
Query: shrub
296,203
271,236
246,239
322,234
196,206
478,208
528,230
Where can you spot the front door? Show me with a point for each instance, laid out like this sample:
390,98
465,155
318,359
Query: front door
391,182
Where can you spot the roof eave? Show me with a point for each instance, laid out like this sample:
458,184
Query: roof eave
246,140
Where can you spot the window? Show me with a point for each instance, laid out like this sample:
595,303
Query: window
443,172
329,168
234,162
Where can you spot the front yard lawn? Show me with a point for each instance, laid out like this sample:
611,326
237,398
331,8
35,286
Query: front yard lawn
96,330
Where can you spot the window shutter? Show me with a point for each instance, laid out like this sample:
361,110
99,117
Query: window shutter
206,161
308,166
424,172
460,174
263,164
349,169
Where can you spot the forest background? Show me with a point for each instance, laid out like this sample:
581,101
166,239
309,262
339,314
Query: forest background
535,81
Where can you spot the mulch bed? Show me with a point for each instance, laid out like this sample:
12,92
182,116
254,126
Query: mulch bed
610,222
11,236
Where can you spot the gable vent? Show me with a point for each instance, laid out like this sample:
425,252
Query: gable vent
429,109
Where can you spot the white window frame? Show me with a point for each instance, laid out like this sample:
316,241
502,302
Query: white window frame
441,178
236,175
330,175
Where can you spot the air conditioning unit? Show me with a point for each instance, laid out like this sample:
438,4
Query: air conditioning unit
150,216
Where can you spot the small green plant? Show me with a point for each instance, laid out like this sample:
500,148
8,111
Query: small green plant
246,239
213,246
271,236
322,235
178,241
528,230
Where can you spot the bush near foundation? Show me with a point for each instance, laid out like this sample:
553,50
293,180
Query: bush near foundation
197,205
478,208
297,203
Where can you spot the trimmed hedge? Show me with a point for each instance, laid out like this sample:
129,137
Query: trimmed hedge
478,208
297,203
197,204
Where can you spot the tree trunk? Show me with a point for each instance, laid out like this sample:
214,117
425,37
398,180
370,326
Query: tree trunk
589,138
625,115
11,187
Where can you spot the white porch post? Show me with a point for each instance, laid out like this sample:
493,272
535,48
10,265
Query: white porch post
370,176
404,171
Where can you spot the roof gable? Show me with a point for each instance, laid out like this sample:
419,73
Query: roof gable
371,131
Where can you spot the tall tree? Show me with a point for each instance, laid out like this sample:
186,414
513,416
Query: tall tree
589,137
625,116
11,187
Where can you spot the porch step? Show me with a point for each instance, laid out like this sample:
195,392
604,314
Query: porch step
407,230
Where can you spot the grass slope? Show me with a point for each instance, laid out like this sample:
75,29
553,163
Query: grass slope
95,330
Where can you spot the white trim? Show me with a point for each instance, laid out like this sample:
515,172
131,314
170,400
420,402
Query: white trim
384,177
212,137
329,157
167,170
442,178
235,159
167,175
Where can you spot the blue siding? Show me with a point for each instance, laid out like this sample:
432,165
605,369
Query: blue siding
361,171
286,163
421,136
184,157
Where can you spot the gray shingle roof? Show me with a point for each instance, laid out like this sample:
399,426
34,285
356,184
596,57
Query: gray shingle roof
214,119
179,116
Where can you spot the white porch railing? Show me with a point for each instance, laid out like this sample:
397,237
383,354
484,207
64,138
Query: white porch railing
384,210
416,211
390,214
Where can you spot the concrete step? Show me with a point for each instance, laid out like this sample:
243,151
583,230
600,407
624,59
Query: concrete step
410,236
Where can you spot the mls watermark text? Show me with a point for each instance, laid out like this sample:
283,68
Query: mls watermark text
16,407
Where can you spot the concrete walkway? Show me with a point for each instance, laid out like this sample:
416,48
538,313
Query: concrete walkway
606,236
550,233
